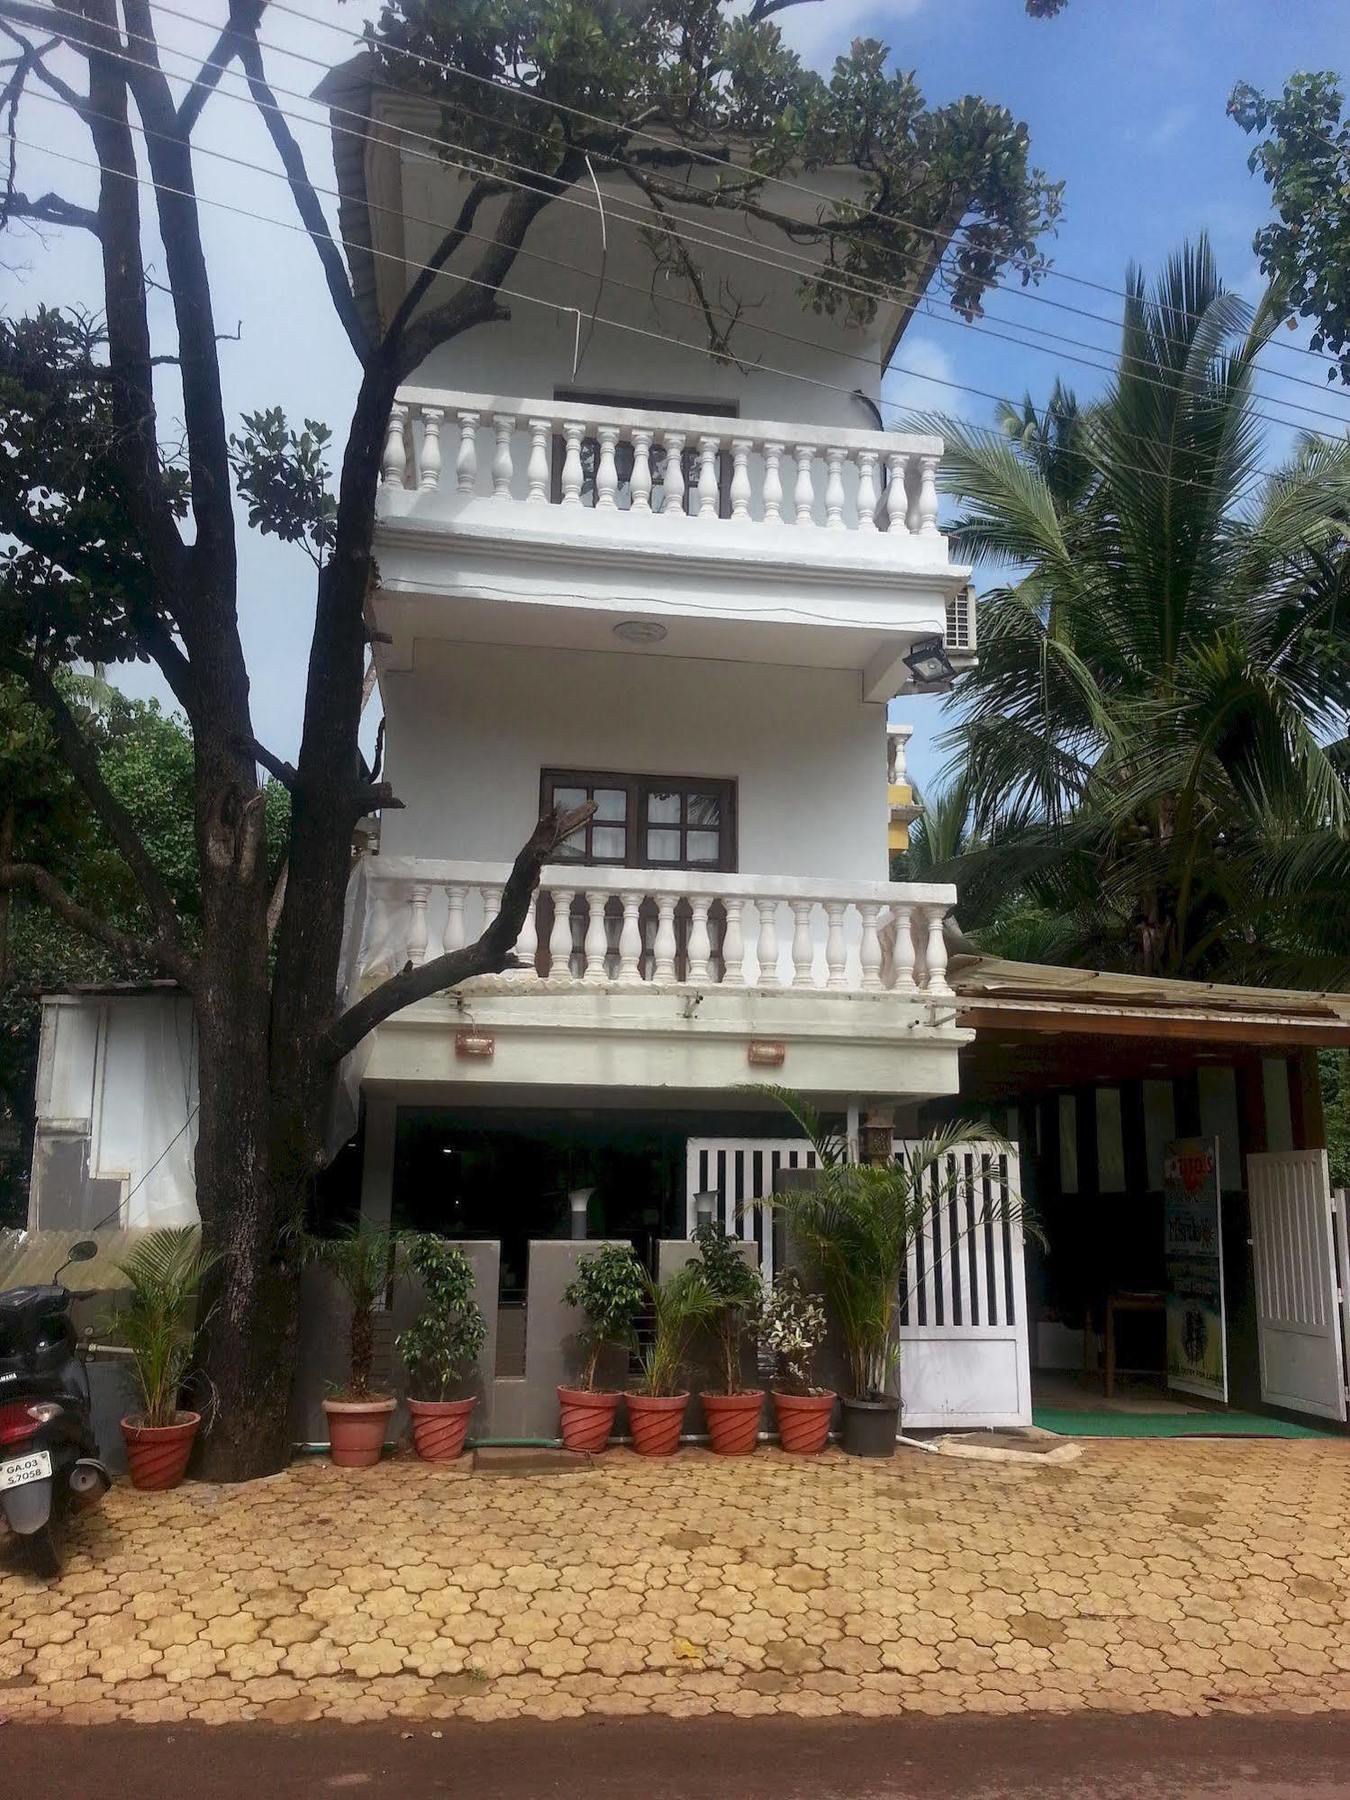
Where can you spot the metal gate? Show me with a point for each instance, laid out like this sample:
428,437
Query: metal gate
964,1352
1299,1285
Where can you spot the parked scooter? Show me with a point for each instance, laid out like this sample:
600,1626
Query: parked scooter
48,1460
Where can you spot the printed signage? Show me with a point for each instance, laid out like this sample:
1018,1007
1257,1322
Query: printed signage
1197,1341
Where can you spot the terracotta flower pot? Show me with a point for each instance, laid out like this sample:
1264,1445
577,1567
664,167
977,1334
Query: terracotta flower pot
439,1427
157,1455
655,1421
733,1421
803,1422
587,1418
356,1430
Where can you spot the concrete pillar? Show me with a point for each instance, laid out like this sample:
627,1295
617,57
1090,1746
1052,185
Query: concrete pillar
377,1164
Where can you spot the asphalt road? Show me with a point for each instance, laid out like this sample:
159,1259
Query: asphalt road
1098,1757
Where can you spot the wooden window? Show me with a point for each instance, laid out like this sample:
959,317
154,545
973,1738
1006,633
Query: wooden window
647,821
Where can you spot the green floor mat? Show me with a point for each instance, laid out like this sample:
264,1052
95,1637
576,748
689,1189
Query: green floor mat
1066,1423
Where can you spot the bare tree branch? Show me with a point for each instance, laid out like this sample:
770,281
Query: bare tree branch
280,770
245,16
477,194
302,191
490,954
51,209
90,924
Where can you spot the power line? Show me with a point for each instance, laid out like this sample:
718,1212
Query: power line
677,300
692,151
867,287
571,311
734,247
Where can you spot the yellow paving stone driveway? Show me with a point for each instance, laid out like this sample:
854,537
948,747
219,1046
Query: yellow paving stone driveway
1177,1576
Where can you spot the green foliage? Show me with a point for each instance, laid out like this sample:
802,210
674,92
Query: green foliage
1304,159
734,1287
145,756
855,1225
709,72
1151,742
73,573
441,1346
166,1271
790,1324
1333,1068
361,1260
679,1306
609,1287
282,477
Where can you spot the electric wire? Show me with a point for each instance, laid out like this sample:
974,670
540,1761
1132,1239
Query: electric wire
664,338
735,249
714,237
674,299
706,156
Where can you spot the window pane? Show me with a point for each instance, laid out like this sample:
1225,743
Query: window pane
705,809
663,846
609,843
704,846
611,804
663,809
569,796
572,849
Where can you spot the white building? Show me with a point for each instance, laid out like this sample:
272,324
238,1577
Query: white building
612,567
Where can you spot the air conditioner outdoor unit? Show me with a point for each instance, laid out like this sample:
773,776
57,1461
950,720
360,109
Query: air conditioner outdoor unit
960,633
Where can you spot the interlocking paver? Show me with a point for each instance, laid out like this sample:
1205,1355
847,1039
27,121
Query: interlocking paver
1174,1576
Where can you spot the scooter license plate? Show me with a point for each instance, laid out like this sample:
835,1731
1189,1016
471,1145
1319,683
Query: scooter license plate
18,1471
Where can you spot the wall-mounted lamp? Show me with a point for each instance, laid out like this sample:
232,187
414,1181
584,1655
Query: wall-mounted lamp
928,661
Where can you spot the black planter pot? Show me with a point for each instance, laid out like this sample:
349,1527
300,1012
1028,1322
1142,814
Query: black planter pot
869,1427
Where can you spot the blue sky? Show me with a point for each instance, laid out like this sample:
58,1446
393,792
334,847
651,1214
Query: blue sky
1124,100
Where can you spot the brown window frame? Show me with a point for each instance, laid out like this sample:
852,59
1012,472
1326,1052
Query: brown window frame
639,789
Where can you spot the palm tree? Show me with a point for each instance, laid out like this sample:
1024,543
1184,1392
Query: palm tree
1153,743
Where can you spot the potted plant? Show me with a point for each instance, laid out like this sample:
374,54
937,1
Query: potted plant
159,1327
440,1348
732,1410
854,1226
608,1288
790,1326
679,1304
361,1261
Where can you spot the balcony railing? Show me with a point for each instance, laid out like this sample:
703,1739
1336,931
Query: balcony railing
633,927
646,471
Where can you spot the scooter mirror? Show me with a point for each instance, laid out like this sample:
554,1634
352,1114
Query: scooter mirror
85,1251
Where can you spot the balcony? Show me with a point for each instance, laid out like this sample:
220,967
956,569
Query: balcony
638,977
703,535
641,927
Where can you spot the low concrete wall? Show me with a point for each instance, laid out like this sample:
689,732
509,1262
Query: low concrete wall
325,1327
529,1408
705,1355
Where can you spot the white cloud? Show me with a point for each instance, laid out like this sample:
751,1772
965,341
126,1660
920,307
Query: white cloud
915,383
819,33
1166,130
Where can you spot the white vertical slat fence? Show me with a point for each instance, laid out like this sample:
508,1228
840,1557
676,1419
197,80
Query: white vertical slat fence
964,1346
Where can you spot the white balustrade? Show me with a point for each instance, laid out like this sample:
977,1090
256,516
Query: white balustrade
638,927
643,464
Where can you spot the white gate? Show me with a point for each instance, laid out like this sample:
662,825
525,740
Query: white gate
964,1356
1299,1287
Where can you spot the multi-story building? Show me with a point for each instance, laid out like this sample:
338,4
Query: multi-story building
613,567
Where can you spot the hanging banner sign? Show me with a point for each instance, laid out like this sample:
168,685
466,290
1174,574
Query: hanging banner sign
1197,1338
